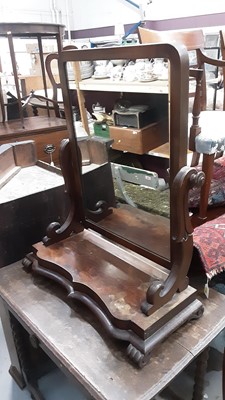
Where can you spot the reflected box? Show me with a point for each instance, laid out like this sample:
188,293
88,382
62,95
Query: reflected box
139,141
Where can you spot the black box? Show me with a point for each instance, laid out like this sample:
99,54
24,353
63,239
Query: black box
134,117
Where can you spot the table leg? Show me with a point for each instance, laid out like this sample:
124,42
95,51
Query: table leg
24,353
223,376
15,369
201,366
21,369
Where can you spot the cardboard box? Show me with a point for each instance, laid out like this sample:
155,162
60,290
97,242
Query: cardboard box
33,48
139,141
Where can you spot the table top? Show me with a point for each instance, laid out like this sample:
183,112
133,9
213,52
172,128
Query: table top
31,126
99,363
30,29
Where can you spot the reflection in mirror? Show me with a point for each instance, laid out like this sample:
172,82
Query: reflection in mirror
122,132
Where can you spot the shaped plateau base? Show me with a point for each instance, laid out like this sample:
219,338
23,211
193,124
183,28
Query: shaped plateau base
112,282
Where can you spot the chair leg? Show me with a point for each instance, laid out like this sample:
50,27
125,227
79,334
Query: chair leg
207,168
195,159
223,376
199,380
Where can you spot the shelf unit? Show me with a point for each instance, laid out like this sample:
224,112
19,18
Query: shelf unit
157,87
108,85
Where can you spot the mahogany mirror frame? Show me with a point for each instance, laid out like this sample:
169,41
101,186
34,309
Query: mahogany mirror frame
180,226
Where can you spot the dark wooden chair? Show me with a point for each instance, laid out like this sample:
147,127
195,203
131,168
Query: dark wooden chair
222,47
223,375
212,49
54,102
206,128
56,86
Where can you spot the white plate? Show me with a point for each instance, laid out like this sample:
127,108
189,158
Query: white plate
100,76
163,78
153,78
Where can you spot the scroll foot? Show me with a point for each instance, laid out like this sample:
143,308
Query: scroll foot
137,357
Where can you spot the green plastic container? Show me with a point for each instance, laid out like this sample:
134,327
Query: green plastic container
101,130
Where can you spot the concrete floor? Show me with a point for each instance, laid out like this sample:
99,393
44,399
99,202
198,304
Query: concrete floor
55,386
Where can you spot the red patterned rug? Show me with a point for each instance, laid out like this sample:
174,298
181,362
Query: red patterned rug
209,239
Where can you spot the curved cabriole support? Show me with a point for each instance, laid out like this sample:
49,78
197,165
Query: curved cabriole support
160,292
186,179
56,232
101,211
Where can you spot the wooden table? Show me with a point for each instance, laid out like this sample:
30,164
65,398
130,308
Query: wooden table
72,338
43,130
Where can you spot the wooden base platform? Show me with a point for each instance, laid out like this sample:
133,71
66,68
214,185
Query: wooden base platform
112,282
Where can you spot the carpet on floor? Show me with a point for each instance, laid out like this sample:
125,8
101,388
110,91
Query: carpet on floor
209,240
157,202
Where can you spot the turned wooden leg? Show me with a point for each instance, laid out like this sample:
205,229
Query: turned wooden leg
24,355
207,168
15,369
223,375
195,159
201,367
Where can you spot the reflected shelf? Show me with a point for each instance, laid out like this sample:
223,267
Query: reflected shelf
156,86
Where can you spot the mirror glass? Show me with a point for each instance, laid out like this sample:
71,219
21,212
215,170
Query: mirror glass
120,115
